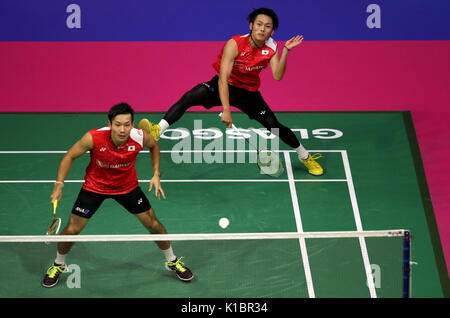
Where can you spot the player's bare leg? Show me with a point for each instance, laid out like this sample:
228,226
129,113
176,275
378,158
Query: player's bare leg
174,264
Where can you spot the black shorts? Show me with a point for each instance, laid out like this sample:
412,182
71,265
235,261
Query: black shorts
88,202
251,103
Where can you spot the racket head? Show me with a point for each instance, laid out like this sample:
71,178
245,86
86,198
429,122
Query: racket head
54,228
269,163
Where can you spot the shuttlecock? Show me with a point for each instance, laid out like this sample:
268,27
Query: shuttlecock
224,222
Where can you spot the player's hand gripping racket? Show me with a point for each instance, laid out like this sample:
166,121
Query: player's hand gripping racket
56,223
268,161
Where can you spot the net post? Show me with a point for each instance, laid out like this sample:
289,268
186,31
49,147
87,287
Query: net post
406,264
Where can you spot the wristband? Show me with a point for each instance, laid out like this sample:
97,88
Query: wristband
286,48
59,182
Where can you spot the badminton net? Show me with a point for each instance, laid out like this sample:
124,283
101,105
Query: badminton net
237,265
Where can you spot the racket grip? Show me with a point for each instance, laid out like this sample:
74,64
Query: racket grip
232,125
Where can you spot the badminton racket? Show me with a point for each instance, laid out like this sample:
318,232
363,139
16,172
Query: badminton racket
56,223
268,161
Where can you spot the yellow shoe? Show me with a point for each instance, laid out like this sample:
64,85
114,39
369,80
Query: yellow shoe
313,166
149,128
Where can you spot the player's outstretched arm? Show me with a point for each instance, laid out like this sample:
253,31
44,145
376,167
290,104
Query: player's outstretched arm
230,53
155,155
77,150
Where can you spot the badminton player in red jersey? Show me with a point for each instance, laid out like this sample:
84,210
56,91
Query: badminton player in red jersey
111,174
237,83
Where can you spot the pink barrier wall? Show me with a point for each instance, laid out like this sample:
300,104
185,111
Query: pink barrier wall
333,76
92,76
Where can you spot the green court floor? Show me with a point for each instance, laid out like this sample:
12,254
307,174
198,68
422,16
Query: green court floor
373,180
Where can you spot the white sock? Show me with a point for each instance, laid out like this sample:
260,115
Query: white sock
302,152
170,256
60,258
164,125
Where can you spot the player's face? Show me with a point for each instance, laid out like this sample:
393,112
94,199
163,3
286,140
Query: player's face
121,126
262,28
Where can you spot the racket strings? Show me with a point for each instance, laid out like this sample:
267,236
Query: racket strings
270,163
54,227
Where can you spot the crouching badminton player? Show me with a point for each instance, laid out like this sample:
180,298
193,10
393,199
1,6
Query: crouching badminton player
111,174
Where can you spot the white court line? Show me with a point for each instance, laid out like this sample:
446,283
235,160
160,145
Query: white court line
41,181
31,151
147,151
174,180
362,241
298,222
221,150
187,180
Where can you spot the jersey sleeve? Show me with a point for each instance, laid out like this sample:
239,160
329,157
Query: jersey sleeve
138,136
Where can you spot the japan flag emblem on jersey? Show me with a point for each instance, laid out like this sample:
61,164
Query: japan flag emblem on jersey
265,52
131,148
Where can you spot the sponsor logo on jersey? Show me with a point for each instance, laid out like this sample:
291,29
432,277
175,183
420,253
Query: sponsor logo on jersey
112,166
250,69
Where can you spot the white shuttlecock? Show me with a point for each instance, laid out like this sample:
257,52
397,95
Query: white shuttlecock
224,222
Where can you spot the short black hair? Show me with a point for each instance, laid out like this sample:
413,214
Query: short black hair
266,11
119,109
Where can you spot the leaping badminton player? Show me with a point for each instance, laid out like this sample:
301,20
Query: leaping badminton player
111,174
238,67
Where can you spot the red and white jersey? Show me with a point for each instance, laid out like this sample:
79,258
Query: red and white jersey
248,63
111,169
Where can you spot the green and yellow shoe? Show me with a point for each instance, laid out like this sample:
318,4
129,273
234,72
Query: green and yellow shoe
149,128
52,276
313,166
177,266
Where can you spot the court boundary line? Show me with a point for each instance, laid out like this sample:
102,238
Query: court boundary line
358,222
147,151
186,180
298,222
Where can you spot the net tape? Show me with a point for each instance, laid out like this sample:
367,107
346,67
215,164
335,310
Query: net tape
197,237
